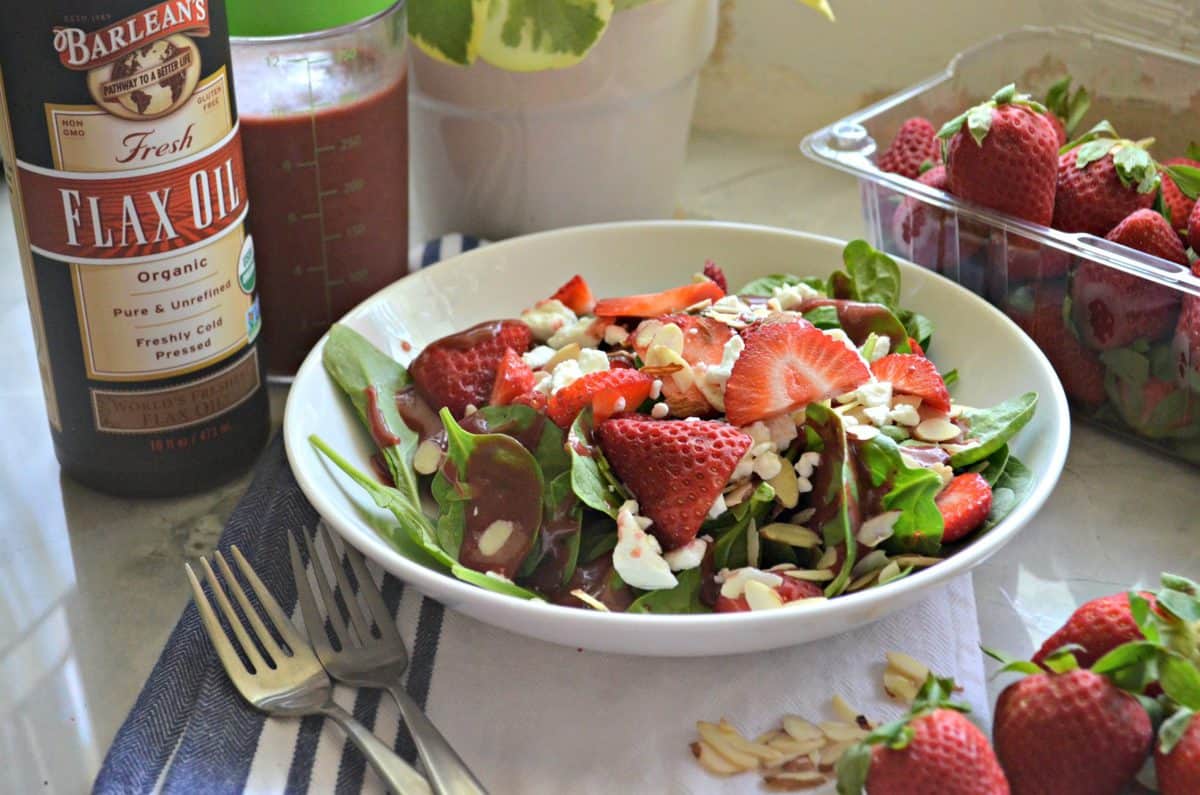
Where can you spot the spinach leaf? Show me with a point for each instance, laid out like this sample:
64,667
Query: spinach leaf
765,286
729,550
560,509
371,379
591,478
993,427
596,541
1009,491
874,276
835,491
919,526
516,421
683,598
919,327
950,377
992,467
416,525
823,317
859,320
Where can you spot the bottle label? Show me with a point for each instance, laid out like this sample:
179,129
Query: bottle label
146,205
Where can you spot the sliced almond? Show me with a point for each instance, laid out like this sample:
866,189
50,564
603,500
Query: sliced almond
787,781
428,458
810,575
723,744
787,486
865,581
761,597
937,429
590,600
752,543
872,561
791,534
713,762
568,351
807,762
864,433
792,748
767,737
662,370
846,712
842,732
908,666
889,572
763,752
917,561
899,686
831,753
738,493
801,729
828,558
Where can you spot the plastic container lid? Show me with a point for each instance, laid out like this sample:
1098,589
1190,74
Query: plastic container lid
1171,25
289,17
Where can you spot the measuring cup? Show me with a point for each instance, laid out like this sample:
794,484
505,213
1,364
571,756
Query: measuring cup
324,118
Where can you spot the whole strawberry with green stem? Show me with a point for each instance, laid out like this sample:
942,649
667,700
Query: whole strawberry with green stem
933,749
1069,731
1002,154
1102,179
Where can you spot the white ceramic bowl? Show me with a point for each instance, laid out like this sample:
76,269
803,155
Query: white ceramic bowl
995,359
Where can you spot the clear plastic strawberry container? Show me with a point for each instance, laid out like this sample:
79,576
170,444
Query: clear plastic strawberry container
1150,390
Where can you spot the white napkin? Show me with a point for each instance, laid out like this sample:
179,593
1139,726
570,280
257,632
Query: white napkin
531,717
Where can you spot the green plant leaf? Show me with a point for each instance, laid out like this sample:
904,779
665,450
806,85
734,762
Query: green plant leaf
1144,616
1008,663
1186,178
1092,151
1126,655
1009,491
874,275
1176,582
1062,660
518,421
993,427
587,477
852,769
1080,103
835,491
729,550
919,327
823,317
530,35
1134,165
1173,729
765,286
913,489
992,467
979,122
447,30
1179,679
1181,605
1102,129
1128,364
683,598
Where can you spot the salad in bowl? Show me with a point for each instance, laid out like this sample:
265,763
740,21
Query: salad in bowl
701,449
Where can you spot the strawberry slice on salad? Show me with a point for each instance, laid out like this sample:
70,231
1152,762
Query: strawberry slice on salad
676,299
788,365
608,392
675,468
460,370
912,374
789,589
964,505
513,378
576,295
703,346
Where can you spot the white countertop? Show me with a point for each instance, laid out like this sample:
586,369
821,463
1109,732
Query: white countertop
90,585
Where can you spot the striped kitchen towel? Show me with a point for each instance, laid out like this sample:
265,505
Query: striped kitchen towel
527,716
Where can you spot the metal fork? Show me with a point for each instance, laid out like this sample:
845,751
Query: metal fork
364,660
288,680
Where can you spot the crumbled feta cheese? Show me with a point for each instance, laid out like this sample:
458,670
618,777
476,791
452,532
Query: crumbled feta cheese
718,507
944,471
878,415
877,529
733,583
565,374
579,332
782,429
875,393
792,295
615,334
716,376
544,383
768,464
803,485
876,347
807,463
637,556
538,357
569,371
758,432
592,361
905,414
691,419
688,556
729,304
656,389
546,317
660,410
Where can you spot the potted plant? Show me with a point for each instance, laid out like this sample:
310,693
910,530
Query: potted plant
529,116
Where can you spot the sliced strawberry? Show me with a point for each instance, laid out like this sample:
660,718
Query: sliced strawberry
576,295
460,370
674,468
915,347
704,342
713,271
790,590
965,505
912,374
786,366
607,392
654,304
534,399
513,378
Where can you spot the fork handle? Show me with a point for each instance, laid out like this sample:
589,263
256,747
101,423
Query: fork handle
448,773
398,775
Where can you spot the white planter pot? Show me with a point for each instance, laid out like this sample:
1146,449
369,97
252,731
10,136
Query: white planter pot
497,153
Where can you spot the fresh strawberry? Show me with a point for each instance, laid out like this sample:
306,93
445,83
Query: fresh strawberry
915,347
1038,310
513,378
703,346
534,399
1157,409
676,299
1103,181
1185,347
713,271
675,468
1099,626
1004,160
1066,109
576,295
915,144
608,392
1027,260
933,749
788,365
913,374
790,590
1178,771
1194,228
460,370
922,231
1073,733
1176,200
965,504
1111,308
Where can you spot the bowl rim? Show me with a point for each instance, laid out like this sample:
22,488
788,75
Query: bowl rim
374,546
